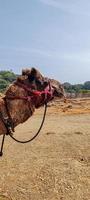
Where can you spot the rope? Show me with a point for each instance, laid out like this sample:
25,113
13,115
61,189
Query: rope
3,139
27,141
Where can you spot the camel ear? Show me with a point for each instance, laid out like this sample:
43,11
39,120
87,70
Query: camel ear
25,72
33,72
32,75
29,72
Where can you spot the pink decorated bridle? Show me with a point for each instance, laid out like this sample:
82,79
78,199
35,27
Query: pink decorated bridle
47,93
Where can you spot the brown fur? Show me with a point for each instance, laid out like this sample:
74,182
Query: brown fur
20,110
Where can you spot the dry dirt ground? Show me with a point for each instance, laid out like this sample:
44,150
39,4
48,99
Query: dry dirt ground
56,165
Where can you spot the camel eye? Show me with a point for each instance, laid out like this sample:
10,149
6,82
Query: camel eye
38,82
31,78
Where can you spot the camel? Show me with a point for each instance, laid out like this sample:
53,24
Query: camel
23,96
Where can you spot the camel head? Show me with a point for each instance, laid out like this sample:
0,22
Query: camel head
33,78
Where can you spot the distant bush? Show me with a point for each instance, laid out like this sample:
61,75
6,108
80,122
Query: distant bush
6,77
77,88
87,85
85,91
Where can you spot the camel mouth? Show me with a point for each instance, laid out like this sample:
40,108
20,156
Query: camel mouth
58,90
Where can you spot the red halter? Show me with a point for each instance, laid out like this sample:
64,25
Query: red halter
47,93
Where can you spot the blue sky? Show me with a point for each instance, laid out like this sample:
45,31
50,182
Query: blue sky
52,35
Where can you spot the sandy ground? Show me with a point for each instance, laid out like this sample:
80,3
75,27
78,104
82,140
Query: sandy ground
56,165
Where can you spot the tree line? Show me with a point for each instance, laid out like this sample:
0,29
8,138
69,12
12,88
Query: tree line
7,77
77,88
